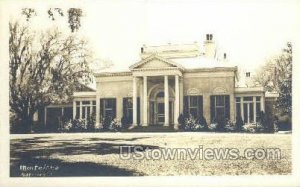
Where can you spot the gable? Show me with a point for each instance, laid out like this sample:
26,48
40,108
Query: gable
154,62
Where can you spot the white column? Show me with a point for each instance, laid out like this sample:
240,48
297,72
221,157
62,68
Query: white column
98,112
262,101
134,102
254,108
141,89
74,109
176,113
166,101
181,95
145,105
242,107
80,110
45,116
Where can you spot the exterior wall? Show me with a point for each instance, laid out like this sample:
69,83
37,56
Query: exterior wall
115,87
211,83
270,106
206,83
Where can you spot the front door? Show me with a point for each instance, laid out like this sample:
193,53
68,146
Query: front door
160,115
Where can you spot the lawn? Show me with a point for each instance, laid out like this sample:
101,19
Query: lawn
97,154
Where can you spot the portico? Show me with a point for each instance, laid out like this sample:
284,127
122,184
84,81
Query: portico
160,100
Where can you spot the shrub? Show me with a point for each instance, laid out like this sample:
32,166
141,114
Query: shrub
212,126
115,125
239,123
253,128
181,120
230,126
125,122
191,124
267,121
74,125
221,122
67,126
203,124
106,123
284,123
91,121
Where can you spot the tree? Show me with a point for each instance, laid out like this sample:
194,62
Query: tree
284,101
74,15
44,68
276,76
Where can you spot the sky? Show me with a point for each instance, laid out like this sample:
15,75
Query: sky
249,32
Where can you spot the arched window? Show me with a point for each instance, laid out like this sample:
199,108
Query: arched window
161,94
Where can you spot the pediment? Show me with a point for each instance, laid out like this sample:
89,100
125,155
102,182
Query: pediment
154,62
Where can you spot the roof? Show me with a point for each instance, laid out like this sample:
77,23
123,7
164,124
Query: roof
248,89
84,88
183,63
201,62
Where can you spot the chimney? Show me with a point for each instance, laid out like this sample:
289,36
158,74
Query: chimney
210,48
248,74
248,79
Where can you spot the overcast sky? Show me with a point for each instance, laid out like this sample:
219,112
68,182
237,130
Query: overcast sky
248,31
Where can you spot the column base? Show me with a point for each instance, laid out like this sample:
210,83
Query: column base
176,126
133,126
145,124
98,126
166,125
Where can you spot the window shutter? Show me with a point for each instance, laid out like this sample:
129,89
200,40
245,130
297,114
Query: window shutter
138,110
124,106
200,106
212,108
101,109
114,108
186,106
227,107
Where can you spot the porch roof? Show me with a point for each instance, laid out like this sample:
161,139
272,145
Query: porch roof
238,90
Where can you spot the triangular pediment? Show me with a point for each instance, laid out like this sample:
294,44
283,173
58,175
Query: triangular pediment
154,61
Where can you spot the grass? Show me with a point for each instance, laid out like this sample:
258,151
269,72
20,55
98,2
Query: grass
97,154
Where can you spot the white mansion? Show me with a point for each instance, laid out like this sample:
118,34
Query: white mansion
167,81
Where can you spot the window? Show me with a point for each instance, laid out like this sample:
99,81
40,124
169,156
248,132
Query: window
220,107
249,109
88,108
108,107
128,108
161,94
248,112
193,106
